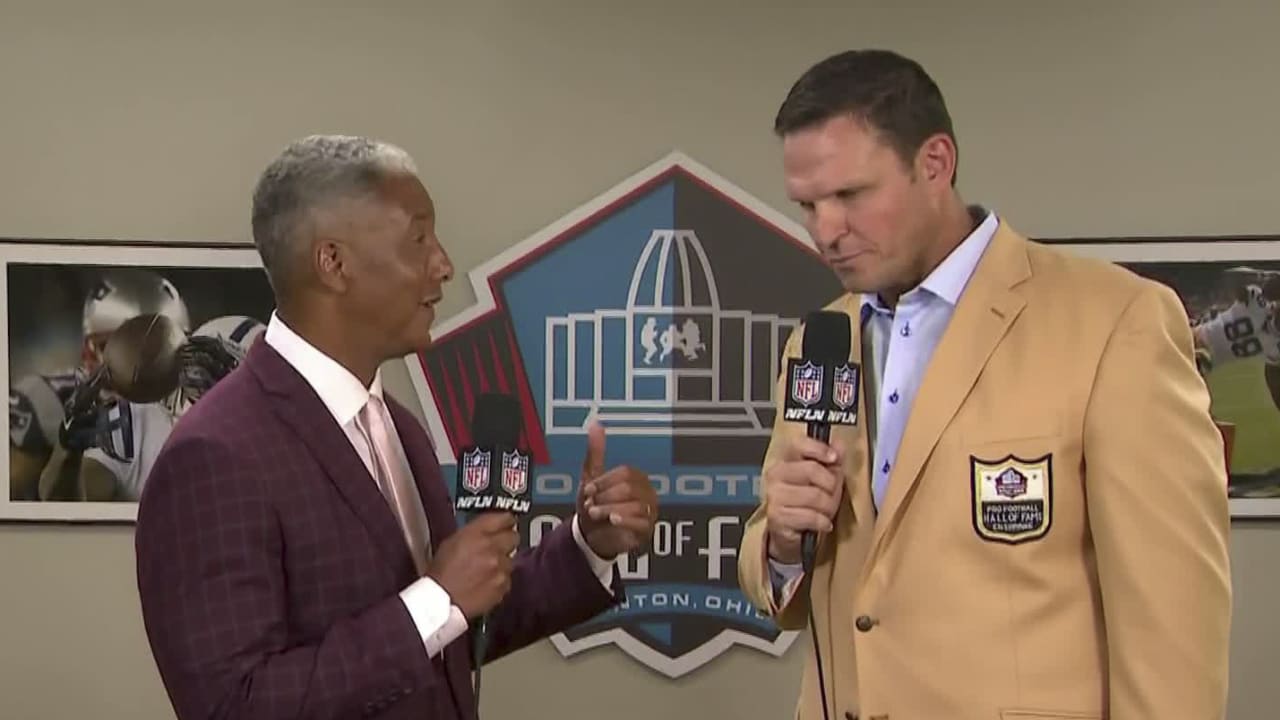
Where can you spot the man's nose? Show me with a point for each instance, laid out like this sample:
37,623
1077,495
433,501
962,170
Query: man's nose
441,265
829,224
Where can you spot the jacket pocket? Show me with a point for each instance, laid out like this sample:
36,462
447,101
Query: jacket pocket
1047,715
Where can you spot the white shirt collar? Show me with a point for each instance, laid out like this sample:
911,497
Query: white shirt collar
948,279
340,391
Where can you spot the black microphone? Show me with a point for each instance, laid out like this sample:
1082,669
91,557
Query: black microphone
493,476
822,390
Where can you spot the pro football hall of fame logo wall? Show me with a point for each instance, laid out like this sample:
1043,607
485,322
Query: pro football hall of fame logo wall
661,308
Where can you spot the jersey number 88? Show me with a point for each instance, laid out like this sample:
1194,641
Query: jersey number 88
1240,334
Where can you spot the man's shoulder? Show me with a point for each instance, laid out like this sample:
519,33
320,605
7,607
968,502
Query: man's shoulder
37,406
1087,284
220,443
1053,261
61,383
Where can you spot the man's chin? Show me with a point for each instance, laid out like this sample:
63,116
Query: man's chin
423,341
417,345
855,283
864,283
421,331
415,340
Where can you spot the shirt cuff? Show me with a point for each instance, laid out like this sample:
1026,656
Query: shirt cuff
784,578
437,619
602,568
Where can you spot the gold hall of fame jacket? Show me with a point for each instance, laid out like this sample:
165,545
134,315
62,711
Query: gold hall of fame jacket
1093,581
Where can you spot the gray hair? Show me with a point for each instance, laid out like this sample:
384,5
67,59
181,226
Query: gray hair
308,174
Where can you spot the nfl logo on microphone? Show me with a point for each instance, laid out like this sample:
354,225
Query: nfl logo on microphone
515,472
475,470
660,309
844,387
806,383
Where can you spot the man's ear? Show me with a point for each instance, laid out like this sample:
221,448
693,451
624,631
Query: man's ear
936,160
331,260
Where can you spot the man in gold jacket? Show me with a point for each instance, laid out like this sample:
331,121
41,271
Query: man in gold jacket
1029,518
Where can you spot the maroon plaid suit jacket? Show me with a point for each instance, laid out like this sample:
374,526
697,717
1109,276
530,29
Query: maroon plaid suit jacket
269,566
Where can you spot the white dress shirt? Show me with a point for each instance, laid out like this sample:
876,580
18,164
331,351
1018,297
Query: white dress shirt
438,620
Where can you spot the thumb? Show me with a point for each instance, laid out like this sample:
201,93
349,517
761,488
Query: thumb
593,462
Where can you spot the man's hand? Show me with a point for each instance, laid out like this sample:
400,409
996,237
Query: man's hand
85,413
803,491
616,509
474,564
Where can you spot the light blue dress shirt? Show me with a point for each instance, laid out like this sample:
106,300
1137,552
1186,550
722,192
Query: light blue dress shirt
902,340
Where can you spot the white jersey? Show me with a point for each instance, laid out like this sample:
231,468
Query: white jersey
129,449
1244,330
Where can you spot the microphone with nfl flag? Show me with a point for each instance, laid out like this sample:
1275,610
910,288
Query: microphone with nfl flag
822,390
495,432
493,477
822,387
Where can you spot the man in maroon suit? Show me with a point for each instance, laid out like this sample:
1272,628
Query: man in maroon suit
296,547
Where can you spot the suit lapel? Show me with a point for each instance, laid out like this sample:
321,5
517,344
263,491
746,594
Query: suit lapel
982,316
298,406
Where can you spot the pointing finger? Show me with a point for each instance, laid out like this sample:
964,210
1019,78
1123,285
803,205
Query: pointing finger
593,461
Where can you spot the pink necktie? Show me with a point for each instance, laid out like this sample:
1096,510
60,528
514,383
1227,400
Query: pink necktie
393,477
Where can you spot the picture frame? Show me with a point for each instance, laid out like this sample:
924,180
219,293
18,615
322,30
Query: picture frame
46,331
1205,271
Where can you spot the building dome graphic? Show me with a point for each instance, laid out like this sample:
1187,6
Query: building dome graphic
672,361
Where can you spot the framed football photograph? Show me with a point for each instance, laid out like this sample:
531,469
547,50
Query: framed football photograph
1230,287
105,345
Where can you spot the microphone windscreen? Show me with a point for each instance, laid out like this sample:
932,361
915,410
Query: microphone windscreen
826,337
496,421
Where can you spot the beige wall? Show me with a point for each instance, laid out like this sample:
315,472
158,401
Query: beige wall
138,120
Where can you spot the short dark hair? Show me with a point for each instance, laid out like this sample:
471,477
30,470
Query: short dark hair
891,93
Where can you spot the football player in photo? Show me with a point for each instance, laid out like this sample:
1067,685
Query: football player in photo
39,422
1249,328
117,465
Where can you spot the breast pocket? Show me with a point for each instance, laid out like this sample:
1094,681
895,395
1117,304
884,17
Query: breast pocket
1011,482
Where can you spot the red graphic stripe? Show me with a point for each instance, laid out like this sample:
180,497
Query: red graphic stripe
480,368
468,398
459,369
457,425
437,393
498,367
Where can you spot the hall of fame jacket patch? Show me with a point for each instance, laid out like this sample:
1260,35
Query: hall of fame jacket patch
1012,498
